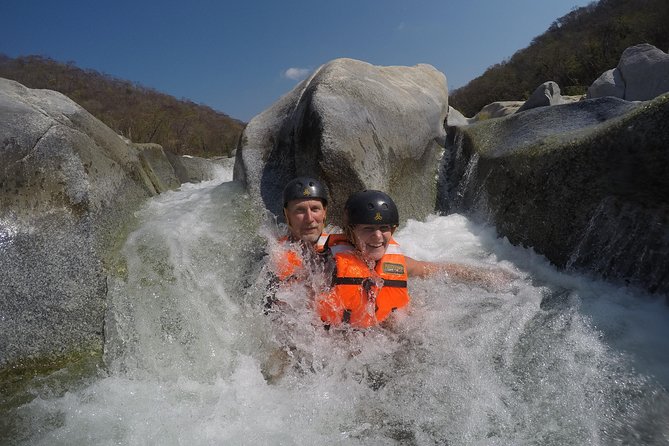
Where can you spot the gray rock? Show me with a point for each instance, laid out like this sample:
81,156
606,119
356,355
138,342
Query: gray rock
545,94
498,109
158,167
572,98
194,169
456,119
610,83
642,74
646,72
69,187
355,126
584,184
62,170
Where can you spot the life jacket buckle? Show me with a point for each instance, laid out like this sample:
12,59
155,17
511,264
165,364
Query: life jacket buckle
368,286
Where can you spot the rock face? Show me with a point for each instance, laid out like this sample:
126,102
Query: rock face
583,183
68,187
191,169
355,126
545,94
456,119
642,74
498,109
158,167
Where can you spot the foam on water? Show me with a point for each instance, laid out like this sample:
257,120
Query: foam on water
192,358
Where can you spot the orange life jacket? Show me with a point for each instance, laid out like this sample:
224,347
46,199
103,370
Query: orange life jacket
360,296
290,257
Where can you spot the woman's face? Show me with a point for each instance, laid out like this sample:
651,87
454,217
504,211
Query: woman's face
372,240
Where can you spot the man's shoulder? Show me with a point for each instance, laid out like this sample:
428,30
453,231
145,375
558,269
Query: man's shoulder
330,233
339,244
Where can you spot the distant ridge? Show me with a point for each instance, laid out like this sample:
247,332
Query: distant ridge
575,50
139,113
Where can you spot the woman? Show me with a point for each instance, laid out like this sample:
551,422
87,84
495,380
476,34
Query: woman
370,280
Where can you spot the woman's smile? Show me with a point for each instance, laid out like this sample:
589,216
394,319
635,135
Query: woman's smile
372,240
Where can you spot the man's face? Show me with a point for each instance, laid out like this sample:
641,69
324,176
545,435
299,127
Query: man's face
306,219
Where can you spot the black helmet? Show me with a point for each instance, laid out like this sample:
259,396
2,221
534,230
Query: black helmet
371,207
304,187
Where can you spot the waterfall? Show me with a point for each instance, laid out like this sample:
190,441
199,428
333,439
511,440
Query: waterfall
551,358
459,183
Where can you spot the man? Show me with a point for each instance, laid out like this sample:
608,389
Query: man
305,202
296,256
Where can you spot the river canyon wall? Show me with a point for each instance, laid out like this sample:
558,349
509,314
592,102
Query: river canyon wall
584,184
69,186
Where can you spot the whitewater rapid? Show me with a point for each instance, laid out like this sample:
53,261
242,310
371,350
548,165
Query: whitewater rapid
552,358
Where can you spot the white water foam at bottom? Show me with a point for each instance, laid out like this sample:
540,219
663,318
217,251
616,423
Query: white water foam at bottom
551,358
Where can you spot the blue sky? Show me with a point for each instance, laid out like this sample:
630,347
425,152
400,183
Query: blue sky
240,56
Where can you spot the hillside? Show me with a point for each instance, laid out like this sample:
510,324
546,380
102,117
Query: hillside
136,112
575,50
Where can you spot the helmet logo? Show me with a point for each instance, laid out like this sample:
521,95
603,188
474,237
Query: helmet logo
306,192
378,217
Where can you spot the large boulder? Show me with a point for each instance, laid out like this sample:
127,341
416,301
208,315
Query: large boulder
455,118
583,183
69,187
192,169
158,167
498,109
61,168
642,74
610,83
355,126
545,94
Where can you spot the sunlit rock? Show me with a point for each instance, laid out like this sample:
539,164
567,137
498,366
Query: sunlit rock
61,170
355,126
498,109
545,94
455,118
584,184
69,186
158,167
610,83
193,169
642,74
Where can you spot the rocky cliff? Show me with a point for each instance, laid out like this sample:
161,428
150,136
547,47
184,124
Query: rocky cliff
68,188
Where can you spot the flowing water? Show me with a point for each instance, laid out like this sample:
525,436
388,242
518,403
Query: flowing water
192,358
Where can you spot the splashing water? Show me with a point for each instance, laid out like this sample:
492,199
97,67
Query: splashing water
192,358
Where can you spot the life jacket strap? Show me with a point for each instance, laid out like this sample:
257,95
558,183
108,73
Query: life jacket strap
349,280
361,280
395,283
